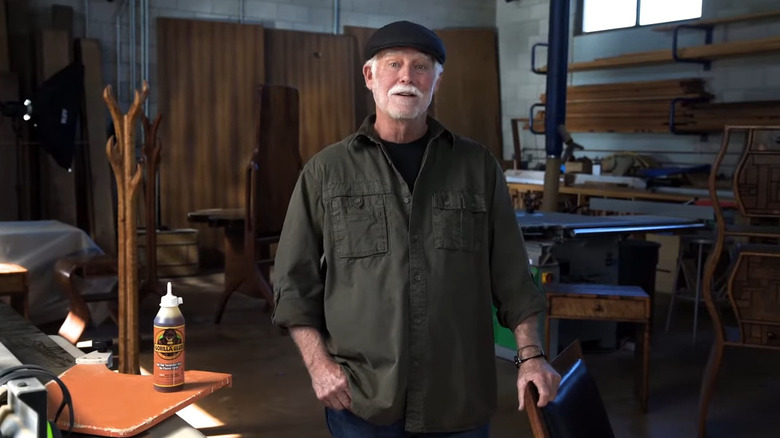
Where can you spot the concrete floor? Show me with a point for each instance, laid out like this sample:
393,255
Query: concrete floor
271,394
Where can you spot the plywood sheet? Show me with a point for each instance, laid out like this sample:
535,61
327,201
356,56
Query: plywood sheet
102,221
207,76
321,67
106,403
58,187
364,100
9,199
468,101
5,61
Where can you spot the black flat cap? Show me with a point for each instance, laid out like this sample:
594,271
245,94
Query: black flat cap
406,34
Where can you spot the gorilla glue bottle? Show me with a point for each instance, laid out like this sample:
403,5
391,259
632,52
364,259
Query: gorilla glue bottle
169,345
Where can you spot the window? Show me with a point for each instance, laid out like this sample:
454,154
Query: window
596,15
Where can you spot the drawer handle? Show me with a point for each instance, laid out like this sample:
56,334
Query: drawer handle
770,335
598,308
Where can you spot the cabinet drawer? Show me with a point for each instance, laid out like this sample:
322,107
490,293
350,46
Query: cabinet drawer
12,282
597,308
762,334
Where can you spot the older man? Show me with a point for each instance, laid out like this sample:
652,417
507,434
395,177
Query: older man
397,243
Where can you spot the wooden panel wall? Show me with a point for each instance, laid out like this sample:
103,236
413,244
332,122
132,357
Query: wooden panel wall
469,99
364,100
321,67
208,73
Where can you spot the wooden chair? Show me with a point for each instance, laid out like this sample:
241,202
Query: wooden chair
271,176
578,410
754,301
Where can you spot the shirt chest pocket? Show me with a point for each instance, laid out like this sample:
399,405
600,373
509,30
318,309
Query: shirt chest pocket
359,225
458,220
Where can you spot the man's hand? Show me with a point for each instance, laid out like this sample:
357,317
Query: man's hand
544,377
330,384
327,378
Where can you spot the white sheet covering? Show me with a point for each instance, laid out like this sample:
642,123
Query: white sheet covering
37,245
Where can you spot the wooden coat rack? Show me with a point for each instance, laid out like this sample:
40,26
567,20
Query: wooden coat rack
151,159
121,154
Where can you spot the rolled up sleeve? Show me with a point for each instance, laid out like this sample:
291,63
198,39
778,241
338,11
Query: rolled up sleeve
515,294
298,275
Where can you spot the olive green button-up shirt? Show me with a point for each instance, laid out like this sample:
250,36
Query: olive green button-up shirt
401,285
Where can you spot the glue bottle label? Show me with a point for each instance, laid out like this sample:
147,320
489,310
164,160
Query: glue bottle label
168,356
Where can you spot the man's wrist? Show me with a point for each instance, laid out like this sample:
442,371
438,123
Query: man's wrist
529,352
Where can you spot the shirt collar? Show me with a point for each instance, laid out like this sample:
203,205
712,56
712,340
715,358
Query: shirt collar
367,134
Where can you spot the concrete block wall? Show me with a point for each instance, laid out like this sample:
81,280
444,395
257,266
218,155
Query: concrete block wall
97,19
523,23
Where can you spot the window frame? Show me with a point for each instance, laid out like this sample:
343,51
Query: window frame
579,15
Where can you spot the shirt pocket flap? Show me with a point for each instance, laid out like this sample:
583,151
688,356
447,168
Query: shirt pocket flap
475,202
447,200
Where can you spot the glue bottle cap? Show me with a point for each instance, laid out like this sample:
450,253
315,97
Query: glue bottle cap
170,300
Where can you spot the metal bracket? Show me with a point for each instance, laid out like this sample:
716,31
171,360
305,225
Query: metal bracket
707,28
673,113
533,58
531,118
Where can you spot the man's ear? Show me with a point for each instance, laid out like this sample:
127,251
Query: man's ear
438,82
368,76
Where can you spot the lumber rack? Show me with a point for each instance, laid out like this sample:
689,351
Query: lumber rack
673,114
707,28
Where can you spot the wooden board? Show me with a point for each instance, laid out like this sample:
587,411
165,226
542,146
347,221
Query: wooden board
58,186
9,196
5,60
102,219
30,345
106,403
320,67
703,52
364,99
468,101
21,54
207,78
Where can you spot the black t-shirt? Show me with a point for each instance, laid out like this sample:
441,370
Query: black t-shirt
407,157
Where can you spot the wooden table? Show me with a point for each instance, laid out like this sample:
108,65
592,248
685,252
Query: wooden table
605,303
241,272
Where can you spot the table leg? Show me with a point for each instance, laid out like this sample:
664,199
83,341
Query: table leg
642,354
241,272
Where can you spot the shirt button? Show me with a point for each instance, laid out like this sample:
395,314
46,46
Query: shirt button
415,238
407,199
417,277
357,201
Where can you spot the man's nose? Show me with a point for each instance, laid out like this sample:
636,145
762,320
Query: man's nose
405,75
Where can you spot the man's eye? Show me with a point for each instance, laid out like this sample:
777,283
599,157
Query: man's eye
422,67
393,64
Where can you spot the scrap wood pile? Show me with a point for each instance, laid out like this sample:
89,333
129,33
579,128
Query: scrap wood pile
645,107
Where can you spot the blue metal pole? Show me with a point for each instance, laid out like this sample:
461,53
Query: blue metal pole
555,113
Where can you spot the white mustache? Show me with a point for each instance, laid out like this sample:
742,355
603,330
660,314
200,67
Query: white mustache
408,89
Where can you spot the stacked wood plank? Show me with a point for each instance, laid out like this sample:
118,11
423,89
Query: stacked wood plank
645,107
630,107
713,117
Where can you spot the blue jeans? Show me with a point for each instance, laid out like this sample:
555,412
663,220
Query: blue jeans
345,424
